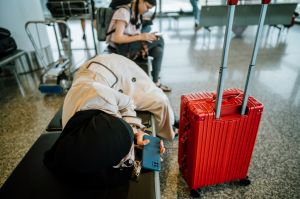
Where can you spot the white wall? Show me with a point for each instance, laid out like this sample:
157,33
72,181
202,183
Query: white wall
13,16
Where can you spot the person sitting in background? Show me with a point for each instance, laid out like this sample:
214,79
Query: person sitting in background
126,37
100,123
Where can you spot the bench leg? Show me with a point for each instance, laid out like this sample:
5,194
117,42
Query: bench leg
149,60
28,62
18,79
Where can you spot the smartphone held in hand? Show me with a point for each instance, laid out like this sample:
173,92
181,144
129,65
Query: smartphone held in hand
151,153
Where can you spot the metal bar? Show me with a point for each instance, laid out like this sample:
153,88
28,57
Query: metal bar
70,9
62,8
22,90
92,25
28,61
40,57
251,68
156,173
223,68
69,47
37,50
57,43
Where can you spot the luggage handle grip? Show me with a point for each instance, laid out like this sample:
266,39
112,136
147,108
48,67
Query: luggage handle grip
265,1
232,2
227,95
229,107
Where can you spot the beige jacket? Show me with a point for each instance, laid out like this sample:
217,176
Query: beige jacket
116,85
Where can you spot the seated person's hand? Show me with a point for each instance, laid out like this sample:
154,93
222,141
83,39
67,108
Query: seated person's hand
140,142
162,147
148,37
139,138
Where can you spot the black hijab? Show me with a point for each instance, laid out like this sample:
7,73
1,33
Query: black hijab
91,143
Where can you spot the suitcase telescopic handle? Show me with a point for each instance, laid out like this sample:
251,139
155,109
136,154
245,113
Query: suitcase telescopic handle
226,45
251,67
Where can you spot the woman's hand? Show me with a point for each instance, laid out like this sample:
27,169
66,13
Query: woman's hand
139,138
141,143
148,37
162,147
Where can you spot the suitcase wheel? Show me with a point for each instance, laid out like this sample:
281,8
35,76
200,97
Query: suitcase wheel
244,182
195,193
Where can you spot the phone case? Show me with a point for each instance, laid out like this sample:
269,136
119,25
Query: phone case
151,153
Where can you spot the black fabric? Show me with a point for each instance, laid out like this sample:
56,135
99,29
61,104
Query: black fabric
115,3
152,2
90,144
135,50
7,43
56,122
32,180
4,33
67,8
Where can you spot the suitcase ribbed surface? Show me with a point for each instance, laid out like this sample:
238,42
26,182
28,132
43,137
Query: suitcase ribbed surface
215,151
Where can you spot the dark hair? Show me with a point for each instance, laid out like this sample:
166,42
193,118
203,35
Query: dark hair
116,3
152,2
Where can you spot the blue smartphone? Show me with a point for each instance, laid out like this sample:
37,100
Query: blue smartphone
151,153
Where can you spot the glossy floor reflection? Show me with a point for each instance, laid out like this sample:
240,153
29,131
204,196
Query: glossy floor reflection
191,64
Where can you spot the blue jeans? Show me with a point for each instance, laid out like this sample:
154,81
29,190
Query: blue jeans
196,11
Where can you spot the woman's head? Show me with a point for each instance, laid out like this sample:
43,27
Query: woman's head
138,8
145,5
116,3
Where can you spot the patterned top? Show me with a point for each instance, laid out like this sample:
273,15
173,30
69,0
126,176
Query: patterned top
122,14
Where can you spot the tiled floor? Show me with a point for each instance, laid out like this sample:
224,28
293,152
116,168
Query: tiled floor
191,63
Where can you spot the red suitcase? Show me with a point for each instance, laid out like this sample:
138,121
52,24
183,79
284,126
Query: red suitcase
217,131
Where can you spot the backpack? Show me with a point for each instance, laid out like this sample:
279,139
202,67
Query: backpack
7,43
103,18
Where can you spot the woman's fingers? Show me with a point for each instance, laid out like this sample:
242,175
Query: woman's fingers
162,147
149,37
139,138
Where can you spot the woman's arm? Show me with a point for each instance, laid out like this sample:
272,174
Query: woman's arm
120,38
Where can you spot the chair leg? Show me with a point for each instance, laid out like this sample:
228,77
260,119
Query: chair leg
21,65
29,62
150,66
18,79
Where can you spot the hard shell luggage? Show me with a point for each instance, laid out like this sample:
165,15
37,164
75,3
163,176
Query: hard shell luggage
217,130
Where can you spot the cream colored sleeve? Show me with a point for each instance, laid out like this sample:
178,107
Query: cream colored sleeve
127,110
